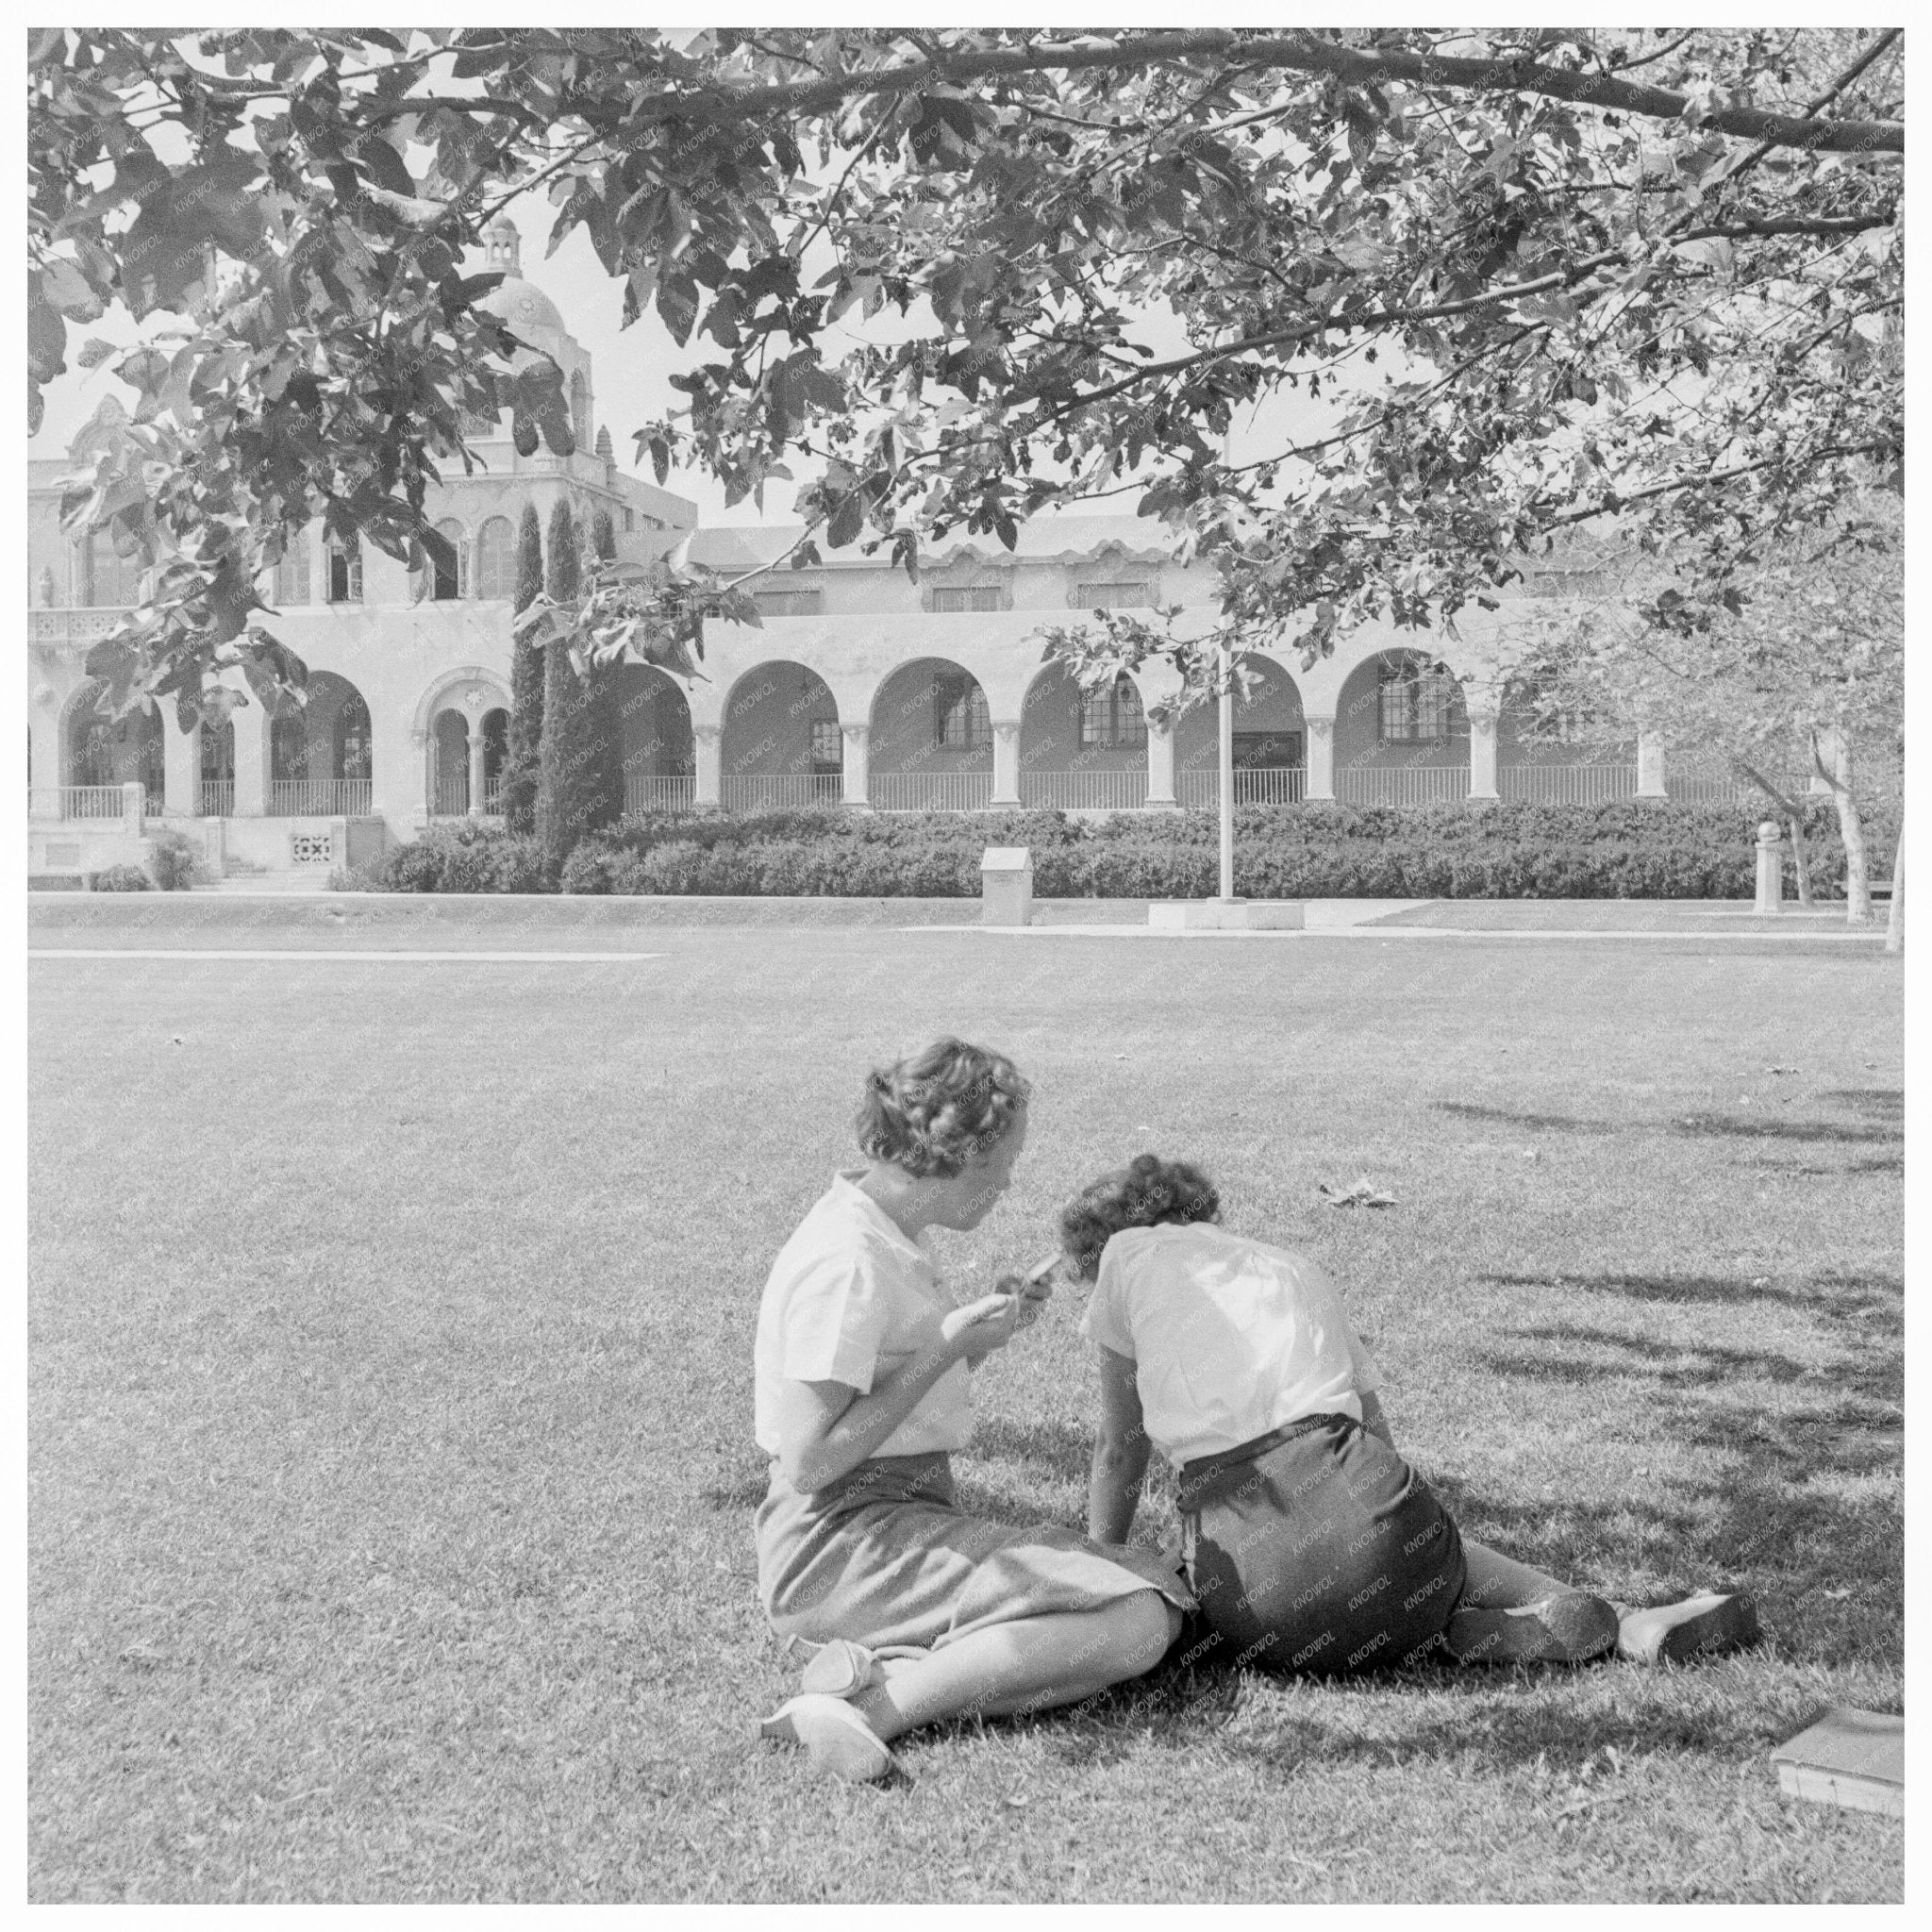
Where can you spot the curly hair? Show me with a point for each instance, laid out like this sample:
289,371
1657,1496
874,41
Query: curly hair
1144,1193
934,1112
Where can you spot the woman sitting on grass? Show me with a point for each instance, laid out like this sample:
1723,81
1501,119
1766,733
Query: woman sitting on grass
1310,1544
917,1610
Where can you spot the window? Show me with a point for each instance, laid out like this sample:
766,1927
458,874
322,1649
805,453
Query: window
800,603
497,560
1267,751
287,746
352,739
580,412
827,746
1416,706
1536,698
344,569
960,720
969,597
629,520
452,579
1121,596
112,580
292,573
1112,716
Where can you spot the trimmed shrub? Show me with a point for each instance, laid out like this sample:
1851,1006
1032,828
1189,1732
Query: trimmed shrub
459,859
120,878
173,860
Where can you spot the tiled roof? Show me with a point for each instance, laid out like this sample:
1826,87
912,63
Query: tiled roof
1045,540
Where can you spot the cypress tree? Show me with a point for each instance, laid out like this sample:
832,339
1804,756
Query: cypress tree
608,699
526,689
570,789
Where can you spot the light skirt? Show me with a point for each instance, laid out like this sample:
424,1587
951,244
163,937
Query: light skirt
886,1557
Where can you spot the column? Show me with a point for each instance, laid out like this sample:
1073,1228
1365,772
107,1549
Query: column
251,761
1160,767
857,764
1005,761
474,727
131,807
1321,759
1650,767
1482,756
44,743
183,752
708,740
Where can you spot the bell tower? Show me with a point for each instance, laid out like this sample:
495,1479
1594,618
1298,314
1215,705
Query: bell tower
503,246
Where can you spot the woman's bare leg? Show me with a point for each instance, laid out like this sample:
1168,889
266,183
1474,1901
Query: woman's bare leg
1031,1664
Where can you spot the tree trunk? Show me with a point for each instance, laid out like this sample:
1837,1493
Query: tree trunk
1896,918
1851,830
1800,863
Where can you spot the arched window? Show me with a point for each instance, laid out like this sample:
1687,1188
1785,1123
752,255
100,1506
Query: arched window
344,569
452,579
497,560
1112,715
580,411
292,573
1415,705
114,580
287,742
353,739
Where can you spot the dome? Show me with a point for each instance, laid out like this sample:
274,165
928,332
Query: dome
524,305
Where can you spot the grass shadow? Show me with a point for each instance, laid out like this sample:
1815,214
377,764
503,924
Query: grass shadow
1546,1123
1745,1128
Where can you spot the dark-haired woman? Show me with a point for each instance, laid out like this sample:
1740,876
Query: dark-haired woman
1311,1545
915,1611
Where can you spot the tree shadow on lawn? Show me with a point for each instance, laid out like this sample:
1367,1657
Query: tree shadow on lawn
1547,1123
1747,1127
1872,1300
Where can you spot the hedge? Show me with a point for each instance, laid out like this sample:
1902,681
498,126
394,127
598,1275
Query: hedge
1629,849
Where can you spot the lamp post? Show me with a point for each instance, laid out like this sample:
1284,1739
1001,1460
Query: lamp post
1227,775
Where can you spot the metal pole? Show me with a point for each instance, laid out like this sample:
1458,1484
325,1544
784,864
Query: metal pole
1226,775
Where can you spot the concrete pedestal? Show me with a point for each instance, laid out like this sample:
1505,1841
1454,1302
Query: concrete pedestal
1228,915
1005,883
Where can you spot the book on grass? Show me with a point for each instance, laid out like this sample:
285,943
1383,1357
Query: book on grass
1852,1757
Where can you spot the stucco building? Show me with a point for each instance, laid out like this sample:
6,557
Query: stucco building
862,686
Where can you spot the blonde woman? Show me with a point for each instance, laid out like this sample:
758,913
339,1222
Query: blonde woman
916,1611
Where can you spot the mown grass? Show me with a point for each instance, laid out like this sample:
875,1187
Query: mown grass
389,1374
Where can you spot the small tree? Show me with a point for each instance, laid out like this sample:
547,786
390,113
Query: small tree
572,790
607,697
520,769
1806,667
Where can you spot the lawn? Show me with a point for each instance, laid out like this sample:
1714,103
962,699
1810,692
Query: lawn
389,1375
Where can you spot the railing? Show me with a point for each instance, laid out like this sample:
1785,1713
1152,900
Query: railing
334,798
1092,790
1565,784
1402,783
1253,785
1708,787
782,791
931,791
672,793
217,798
75,802
492,797
69,625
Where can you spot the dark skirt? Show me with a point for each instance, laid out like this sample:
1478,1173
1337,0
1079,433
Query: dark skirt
885,1556
1316,1548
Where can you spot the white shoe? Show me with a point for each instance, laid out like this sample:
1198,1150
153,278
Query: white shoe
835,1737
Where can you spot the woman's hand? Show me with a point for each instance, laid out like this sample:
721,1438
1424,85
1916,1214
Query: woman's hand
973,1331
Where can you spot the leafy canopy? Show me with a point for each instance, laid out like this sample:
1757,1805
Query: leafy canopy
1515,281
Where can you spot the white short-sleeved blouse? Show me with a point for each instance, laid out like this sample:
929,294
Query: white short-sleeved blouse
1230,1338
850,1297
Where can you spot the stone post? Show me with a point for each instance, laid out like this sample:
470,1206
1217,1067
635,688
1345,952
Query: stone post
183,752
1005,884
1160,793
1321,759
1482,756
708,739
858,765
1771,871
1005,764
1650,767
133,801
475,724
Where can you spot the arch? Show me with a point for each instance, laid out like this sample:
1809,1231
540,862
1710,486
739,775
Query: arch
1401,731
931,738
497,560
321,752
780,742
1081,748
449,765
580,411
488,691
98,749
447,582
495,756
659,751
1270,737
